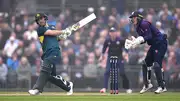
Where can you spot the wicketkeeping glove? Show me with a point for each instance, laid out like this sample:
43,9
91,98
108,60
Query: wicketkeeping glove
137,41
128,44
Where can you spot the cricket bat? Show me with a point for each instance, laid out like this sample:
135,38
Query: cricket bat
83,22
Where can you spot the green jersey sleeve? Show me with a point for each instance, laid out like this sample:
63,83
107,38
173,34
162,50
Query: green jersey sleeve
41,31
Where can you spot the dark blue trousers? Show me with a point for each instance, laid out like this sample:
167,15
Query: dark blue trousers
154,58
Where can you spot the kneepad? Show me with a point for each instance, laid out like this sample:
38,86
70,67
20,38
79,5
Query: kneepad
46,67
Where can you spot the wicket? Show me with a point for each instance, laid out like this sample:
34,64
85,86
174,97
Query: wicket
114,72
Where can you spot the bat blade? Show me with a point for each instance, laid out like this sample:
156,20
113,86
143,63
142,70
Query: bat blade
87,20
84,21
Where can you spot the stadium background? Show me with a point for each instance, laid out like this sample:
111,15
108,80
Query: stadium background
20,50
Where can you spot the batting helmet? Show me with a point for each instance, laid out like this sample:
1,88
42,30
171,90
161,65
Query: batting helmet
39,16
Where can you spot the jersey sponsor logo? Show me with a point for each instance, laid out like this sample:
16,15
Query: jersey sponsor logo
41,39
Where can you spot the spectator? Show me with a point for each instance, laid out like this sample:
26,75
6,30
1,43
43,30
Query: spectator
1,41
177,51
20,49
97,52
31,33
69,17
132,32
90,70
65,63
12,23
62,20
32,55
125,15
51,20
13,62
89,46
103,18
164,9
25,40
71,56
25,21
166,18
24,73
152,12
92,36
124,27
115,14
64,68
149,18
76,43
158,26
173,70
19,31
3,73
78,63
10,46
112,22
58,26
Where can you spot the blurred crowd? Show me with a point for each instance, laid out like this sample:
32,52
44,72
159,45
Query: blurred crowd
20,50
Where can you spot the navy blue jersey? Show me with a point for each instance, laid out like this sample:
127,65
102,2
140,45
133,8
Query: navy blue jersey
149,32
115,46
49,43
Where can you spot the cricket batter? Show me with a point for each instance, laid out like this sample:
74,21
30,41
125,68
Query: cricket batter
158,46
116,45
49,37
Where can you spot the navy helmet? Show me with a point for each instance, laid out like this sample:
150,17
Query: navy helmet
136,14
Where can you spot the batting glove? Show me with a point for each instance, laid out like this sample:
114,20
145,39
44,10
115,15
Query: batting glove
62,37
67,31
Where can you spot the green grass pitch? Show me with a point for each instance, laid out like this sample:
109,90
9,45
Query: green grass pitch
54,96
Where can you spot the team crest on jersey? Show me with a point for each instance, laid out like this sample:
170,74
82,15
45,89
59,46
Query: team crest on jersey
117,42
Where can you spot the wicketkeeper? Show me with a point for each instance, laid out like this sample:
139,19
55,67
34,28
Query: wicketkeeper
149,34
